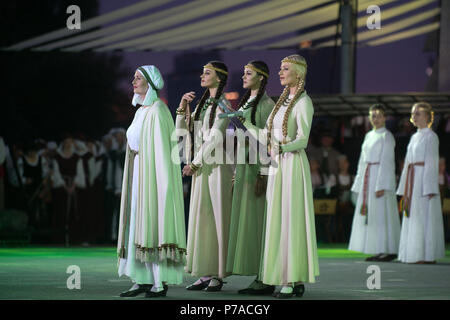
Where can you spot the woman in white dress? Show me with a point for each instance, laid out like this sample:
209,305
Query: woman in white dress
152,239
211,190
290,245
376,222
422,234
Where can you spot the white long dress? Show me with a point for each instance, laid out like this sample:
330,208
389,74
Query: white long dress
422,234
139,272
290,245
378,231
211,198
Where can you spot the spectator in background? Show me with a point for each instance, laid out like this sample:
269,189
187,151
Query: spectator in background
34,172
402,136
109,161
326,155
14,189
444,179
345,208
120,137
323,185
68,179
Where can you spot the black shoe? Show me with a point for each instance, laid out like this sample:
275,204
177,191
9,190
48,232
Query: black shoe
267,290
215,288
141,289
280,295
374,258
387,257
151,294
245,291
202,285
299,290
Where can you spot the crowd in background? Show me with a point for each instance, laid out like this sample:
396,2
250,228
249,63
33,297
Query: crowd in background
70,191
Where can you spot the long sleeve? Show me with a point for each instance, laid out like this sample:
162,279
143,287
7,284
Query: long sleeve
45,167
359,172
304,114
402,182
431,168
180,122
215,137
92,170
262,114
386,172
57,179
118,177
182,131
80,178
20,166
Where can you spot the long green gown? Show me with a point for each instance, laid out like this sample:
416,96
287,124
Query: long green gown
248,210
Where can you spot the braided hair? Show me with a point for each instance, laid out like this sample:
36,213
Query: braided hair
301,71
223,81
261,65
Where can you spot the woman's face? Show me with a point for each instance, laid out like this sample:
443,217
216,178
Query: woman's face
209,78
377,119
288,75
251,80
419,117
68,143
140,85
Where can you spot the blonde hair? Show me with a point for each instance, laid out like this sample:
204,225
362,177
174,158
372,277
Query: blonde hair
299,64
300,68
425,106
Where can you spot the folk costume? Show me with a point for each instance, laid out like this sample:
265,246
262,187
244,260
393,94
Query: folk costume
210,203
422,233
290,246
376,222
248,209
151,239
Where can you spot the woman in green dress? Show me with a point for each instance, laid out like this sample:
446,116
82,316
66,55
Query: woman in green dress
249,201
290,245
211,191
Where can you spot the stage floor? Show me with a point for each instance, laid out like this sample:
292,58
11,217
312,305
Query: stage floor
40,273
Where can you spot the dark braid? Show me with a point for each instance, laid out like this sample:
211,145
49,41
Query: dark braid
200,104
244,99
223,81
254,104
261,90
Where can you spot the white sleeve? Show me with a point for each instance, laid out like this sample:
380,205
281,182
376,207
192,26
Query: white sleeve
386,171
45,168
57,179
357,183
118,177
80,177
215,138
431,166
